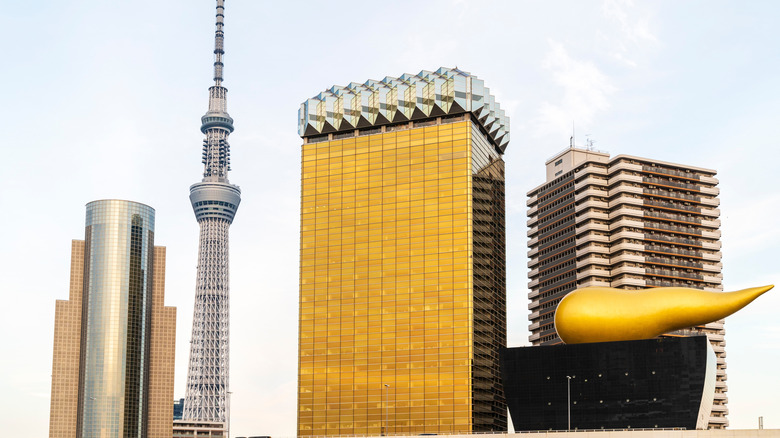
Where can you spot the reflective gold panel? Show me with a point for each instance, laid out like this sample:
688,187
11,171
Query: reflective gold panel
402,293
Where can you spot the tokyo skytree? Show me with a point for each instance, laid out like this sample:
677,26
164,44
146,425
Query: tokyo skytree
215,202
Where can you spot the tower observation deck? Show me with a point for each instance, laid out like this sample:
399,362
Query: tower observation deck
214,201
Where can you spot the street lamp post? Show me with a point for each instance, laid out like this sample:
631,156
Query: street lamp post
568,390
230,395
387,394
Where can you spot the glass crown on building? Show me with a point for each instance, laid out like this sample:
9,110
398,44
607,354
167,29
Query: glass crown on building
447,91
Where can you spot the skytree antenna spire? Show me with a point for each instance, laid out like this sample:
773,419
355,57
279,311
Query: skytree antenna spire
214,201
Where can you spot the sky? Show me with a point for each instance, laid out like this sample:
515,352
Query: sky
104,99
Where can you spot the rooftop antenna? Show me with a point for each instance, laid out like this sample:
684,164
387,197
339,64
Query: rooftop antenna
571,139
589,143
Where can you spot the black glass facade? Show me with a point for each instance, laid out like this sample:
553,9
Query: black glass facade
654,383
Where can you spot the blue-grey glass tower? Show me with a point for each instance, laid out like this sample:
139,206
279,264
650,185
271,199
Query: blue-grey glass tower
117,305
215,202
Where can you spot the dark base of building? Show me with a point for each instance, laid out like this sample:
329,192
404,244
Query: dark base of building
654,383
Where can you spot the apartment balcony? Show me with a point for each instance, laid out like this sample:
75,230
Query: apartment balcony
590,203
667,183
624,166
672,228
673,239
591,191
591,226
591,249
592,282
674,251
625,188
590,180
672,217
712,267
533,230
624,199
708,180
533,294
710,202
633,270
534,337
533,241
632,212
671,172
591,214
592,272
534,315
532,252
625,234
628,281
533,283
677,263
710,234
713,246
626,222
720,408
533,326
711,212
622,176
715,325
592,237
533,305
712,256
710,223
593,170
626,257
715,337
593,260
532,211
531,200
626,246
534,272
713,191
673,273
720,421
680,207
713,278
722,397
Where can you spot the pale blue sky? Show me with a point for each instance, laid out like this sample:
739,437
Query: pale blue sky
103,100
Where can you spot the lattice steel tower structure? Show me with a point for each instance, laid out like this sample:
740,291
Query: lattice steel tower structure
215,202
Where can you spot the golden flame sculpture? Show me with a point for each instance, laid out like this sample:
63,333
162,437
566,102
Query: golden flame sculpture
605,314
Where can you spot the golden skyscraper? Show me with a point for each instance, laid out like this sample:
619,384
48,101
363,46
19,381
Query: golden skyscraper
114,340
402,269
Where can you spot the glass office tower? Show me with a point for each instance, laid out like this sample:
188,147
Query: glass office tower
402,281
114,340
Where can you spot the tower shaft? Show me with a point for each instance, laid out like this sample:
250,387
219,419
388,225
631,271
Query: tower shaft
214,201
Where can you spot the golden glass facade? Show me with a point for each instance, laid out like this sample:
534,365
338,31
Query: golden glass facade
402,281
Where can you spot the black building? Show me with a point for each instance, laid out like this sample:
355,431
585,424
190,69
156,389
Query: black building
654,383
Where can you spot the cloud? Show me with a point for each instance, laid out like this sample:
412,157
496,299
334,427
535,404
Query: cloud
585,92
632,34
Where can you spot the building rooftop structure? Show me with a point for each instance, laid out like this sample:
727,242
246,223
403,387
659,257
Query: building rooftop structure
447,91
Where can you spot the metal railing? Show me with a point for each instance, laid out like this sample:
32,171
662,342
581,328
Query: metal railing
680,240
677,217
665,171
682,252
667,182
653,202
